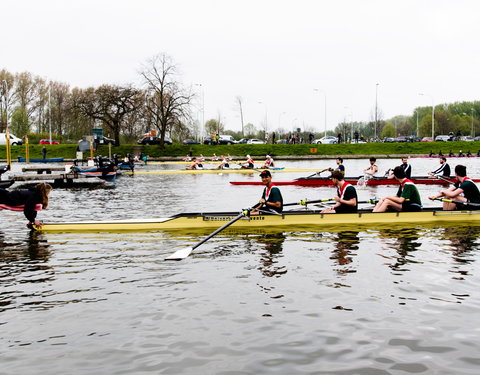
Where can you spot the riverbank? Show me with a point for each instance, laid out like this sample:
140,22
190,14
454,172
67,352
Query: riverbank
278,151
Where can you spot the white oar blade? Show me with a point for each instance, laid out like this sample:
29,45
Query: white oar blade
180,254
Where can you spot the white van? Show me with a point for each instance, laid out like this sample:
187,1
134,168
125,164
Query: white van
13,140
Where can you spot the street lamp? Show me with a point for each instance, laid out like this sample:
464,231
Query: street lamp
473,130
416,111
266,121
203,108
433,114
376,111
325,107
50,111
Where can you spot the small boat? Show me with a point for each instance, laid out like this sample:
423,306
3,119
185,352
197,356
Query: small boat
297,219
104,173
374,181
47,160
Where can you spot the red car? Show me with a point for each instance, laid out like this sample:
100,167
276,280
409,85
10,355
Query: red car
47,142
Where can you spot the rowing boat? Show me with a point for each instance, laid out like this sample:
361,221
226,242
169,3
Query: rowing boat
291,219
374,181
47,160
207,171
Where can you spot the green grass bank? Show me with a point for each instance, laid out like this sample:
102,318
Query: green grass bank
68,151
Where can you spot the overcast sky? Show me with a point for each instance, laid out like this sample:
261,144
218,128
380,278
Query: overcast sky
271,51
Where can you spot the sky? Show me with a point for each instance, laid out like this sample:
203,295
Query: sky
285,59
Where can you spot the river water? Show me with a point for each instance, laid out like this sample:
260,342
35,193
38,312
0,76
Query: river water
376,300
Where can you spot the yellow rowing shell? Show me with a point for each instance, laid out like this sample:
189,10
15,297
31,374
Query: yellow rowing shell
292,219
207,171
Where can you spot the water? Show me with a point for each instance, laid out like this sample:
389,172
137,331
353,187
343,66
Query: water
376,300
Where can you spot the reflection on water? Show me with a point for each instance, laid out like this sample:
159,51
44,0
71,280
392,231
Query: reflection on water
271,252
345,244
346,300
405,241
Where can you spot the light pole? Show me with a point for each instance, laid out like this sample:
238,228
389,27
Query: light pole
418,131
266,121
5,99
351,123
473,130
50,111
376,111
325,107
203,109
433,114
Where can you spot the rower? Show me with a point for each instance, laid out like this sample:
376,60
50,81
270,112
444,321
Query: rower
269,163
464,190
406,167
407,198
224,164
443,169
28,198
271,198
340,167
197,164
249,164
372,170
346,199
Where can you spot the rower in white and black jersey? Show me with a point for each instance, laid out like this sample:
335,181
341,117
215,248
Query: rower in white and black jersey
442,170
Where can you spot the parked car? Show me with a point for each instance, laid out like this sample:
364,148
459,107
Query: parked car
243,140
477,138
153,141
190,142
466,138
102,140
328,140
284,141
388,140
47,142
427,139
255,141
13,140
400,139
207,141
442,138
224,139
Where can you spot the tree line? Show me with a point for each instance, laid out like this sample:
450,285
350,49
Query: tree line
30,104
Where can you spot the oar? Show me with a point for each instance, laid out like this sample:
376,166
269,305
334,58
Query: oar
444,179
183,253
305,202
316,173
453,201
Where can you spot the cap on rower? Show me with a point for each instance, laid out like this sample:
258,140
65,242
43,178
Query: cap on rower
265,174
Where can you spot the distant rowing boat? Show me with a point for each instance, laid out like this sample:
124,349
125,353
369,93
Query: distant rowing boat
48,160
207,171
375,181
289,219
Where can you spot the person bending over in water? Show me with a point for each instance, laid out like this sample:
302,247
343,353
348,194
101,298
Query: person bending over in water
28,198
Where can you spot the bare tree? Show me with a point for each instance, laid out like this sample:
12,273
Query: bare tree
166,101
110,105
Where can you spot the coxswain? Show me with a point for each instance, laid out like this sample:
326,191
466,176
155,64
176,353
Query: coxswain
269,163
463,190
443,170
340,167
271,198
371,170
346,198
28,198
407,198
249,164
197,164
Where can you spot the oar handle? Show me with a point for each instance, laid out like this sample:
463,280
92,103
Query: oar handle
446,200
304,202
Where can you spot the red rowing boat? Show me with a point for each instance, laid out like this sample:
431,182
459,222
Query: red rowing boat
374,181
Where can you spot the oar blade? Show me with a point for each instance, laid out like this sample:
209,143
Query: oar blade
180,254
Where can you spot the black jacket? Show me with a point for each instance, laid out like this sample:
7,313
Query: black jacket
29,198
